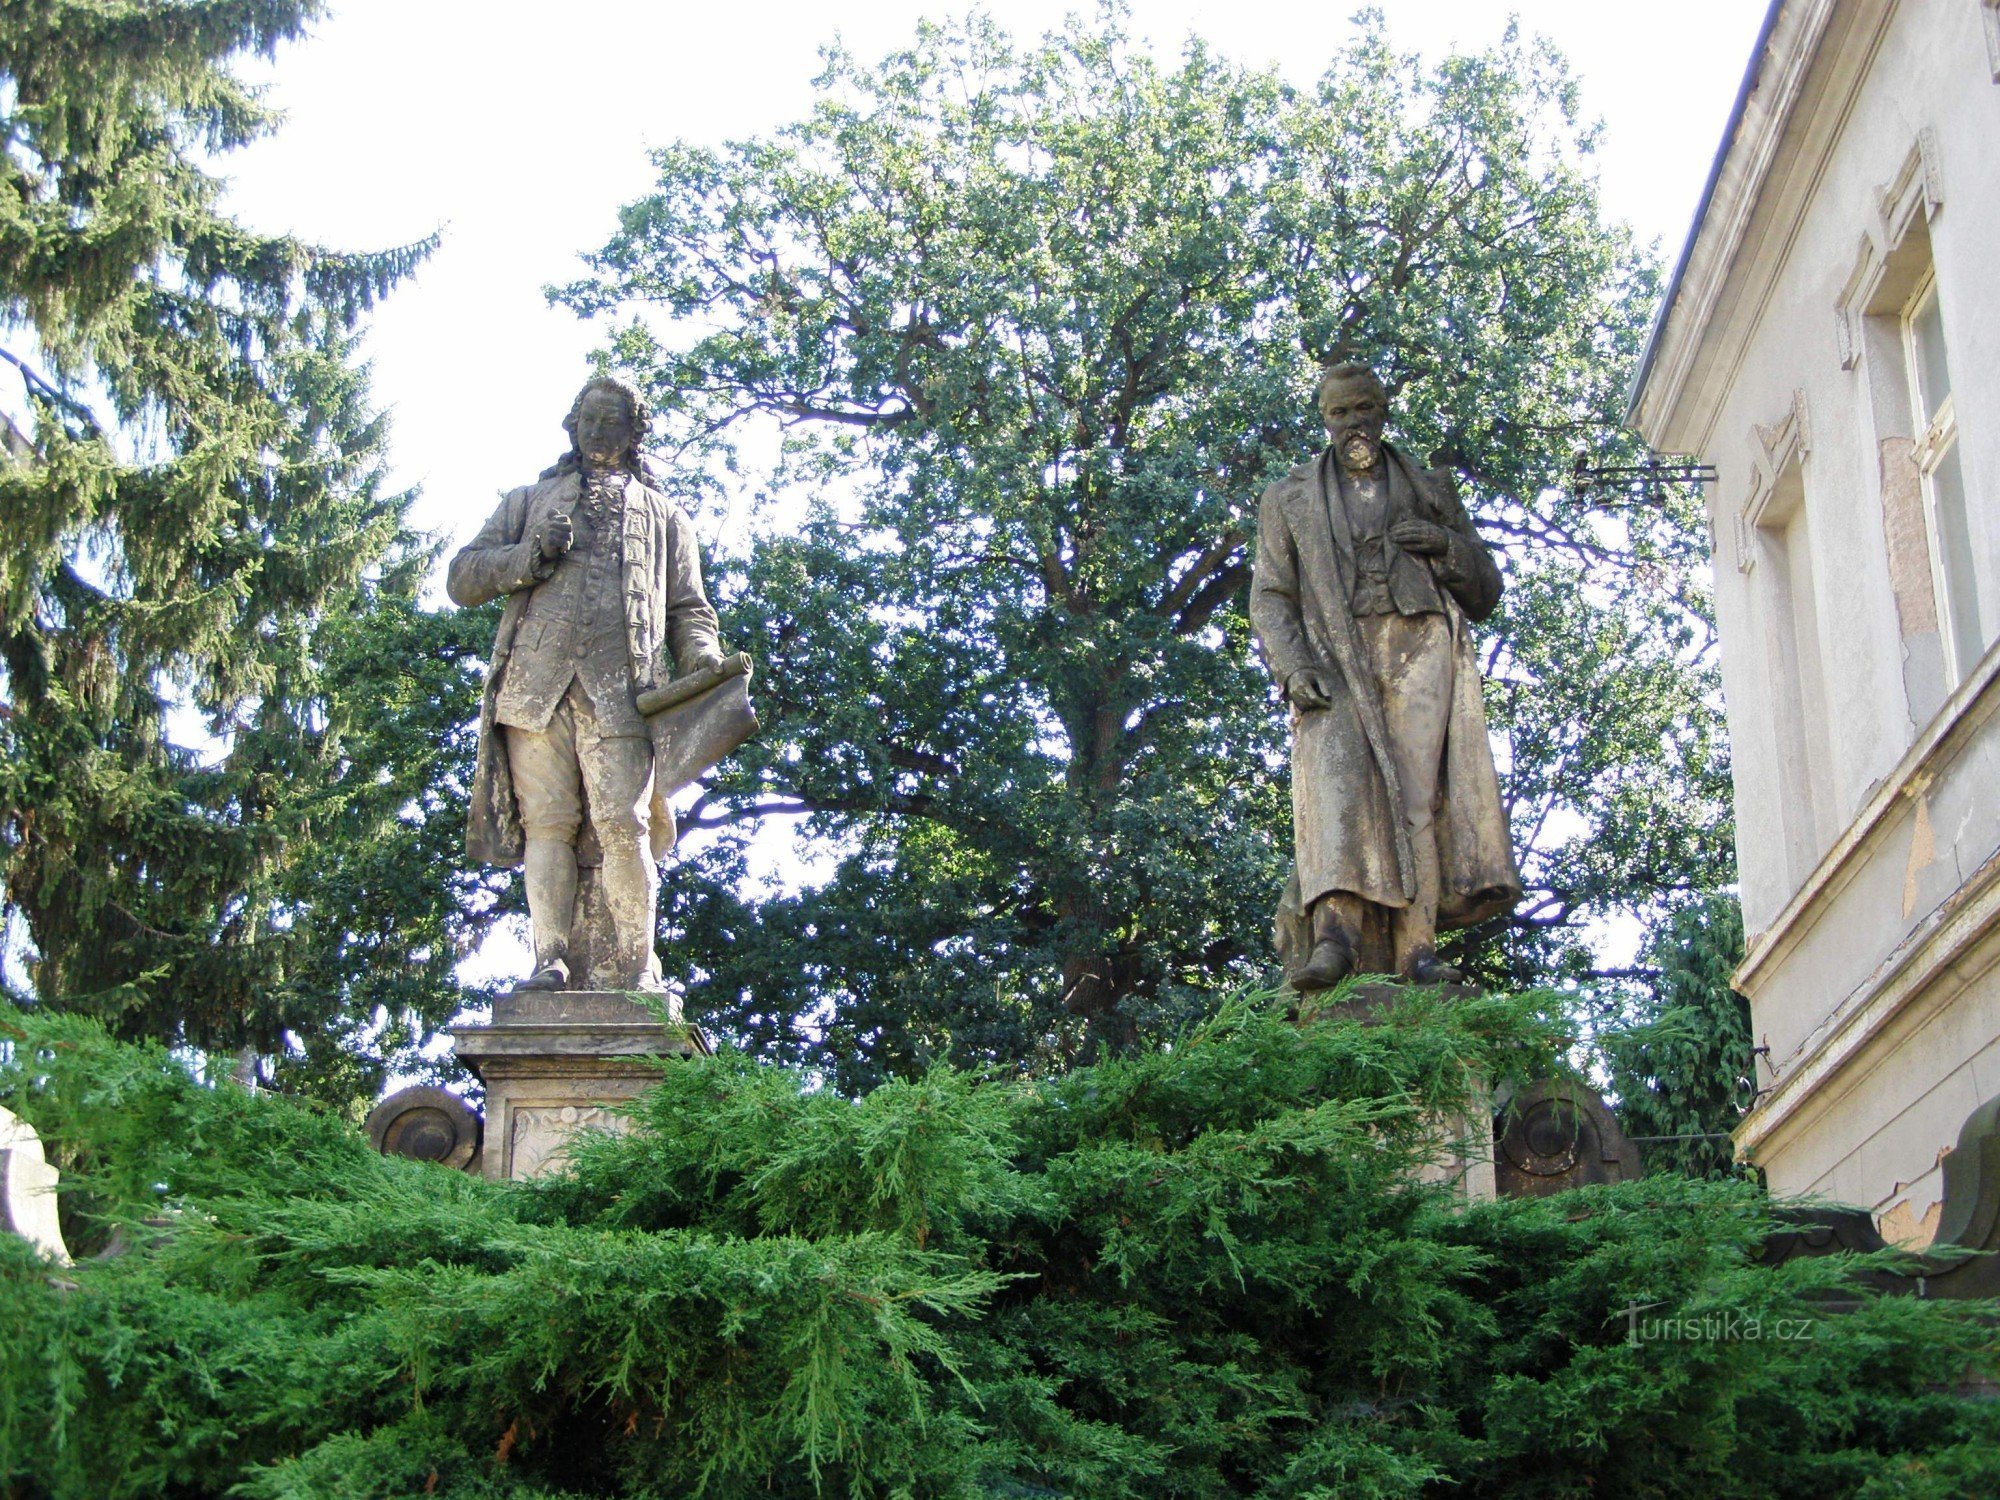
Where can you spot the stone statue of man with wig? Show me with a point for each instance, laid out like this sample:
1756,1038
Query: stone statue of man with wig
604,603
1368,577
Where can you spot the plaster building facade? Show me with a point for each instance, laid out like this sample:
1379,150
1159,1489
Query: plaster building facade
1831,344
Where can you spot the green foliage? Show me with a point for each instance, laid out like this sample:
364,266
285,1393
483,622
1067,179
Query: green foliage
379,902
226,725
1199,1270
1038,323
1682,1064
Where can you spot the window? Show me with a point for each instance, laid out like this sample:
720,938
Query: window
1953,561
1800,720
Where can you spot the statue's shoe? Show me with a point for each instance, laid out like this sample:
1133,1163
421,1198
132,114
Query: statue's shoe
551,976
1428,968
1329,962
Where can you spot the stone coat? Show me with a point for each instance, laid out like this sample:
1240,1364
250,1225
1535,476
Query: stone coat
668,621
1346,798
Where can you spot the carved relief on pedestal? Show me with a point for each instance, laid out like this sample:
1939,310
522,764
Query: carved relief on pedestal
541,1133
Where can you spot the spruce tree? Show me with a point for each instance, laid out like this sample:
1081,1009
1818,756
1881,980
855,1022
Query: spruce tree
193,518
1682,1066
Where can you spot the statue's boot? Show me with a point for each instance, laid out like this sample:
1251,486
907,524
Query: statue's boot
549,873
1335,954
1428,968
1414,927
553,975
1331,960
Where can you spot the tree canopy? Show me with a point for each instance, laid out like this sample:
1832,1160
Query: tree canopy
1037,324
221,704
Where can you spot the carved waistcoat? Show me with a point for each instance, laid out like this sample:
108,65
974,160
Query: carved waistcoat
1387,580
574,627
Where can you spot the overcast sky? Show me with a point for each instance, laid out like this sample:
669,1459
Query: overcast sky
519,129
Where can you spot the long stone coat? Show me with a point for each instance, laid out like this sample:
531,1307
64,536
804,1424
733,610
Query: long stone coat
668,620
1346,797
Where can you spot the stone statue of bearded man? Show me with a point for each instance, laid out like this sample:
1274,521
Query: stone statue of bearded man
604,601
1368,577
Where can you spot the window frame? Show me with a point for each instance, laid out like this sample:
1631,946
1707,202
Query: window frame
1935,437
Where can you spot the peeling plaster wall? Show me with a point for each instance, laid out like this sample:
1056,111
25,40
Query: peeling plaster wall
1875,988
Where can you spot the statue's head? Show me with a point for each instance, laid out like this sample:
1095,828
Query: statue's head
606,424
1355,406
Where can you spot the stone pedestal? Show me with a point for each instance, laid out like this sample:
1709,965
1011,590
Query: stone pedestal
1465,1136
556,1062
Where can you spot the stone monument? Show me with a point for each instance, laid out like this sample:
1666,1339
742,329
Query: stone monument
1367,579
426,1123
608,692
1560,1134
28,1189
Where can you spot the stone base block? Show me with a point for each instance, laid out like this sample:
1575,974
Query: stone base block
557,1062
1465,1136
1368,1001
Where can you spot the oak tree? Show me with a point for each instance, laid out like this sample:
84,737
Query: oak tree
1037,323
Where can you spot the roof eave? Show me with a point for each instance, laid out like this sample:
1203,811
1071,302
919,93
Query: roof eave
1751,74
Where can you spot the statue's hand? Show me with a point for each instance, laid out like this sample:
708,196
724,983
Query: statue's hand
1421,537
1308,689
706,662
558,536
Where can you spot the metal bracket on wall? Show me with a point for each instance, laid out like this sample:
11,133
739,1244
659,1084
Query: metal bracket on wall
1650,477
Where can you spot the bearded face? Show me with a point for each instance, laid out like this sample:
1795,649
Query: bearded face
1355,412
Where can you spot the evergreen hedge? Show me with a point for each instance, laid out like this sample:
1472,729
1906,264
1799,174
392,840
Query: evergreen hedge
1199,1271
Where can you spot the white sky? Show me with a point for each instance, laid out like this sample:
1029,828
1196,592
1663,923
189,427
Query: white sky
519,130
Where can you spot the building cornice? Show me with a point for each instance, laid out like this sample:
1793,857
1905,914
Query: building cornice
1943,943
1976,700
1802,82
1752,71
1950,948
